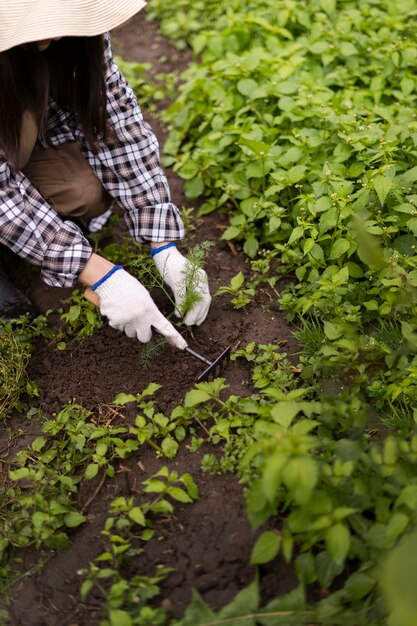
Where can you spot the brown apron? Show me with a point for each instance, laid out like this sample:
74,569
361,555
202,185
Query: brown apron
61,175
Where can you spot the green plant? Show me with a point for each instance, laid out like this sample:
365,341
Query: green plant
149,92
311,335
81,319
126,600
241,296
189,293
13,361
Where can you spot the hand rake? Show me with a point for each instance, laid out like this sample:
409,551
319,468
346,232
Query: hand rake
211,372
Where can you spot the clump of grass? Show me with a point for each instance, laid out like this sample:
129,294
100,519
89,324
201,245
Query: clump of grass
311,335
13,361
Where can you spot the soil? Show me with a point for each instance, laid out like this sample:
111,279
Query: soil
209,542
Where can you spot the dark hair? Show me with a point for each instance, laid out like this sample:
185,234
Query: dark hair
70,70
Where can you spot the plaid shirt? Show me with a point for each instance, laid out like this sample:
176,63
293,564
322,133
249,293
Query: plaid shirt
128,166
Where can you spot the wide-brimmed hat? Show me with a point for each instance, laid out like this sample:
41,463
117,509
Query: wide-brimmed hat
22,21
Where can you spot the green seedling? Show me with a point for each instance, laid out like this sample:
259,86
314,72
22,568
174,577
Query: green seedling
242,296
129,525
81,319
189,287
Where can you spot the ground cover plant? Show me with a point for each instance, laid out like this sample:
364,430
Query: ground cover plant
294,130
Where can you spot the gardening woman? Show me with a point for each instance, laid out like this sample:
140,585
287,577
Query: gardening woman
73,144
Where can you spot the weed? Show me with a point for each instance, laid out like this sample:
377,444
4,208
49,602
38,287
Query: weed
241,296
126,600
81,319
14,357
311,335
150,350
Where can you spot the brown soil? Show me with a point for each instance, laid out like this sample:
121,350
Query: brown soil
207,543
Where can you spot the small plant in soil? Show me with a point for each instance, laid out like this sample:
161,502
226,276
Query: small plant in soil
242,296
81,319
190,285
13,361
126,598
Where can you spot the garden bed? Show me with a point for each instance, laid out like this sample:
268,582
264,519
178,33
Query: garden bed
208,543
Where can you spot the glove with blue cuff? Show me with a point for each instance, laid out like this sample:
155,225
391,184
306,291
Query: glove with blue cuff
175,271
130,308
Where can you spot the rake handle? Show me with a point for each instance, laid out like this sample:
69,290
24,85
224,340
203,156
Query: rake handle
199,356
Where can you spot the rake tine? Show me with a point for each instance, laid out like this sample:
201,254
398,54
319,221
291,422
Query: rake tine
215,367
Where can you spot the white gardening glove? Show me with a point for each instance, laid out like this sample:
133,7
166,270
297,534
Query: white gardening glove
130,308
174,267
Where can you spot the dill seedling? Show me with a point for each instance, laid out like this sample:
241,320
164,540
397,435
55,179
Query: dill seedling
189,286
150,350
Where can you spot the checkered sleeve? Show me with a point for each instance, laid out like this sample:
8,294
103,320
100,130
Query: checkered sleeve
32,229
128,164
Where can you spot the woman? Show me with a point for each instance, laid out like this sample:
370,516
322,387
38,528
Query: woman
72,142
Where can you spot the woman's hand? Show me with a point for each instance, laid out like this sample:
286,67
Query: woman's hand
127,303
180,276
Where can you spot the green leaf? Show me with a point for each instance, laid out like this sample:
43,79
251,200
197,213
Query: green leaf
297,232
382,186
101,449
284,412
196,396
150,390
369,249
329,6
358,586
74,313
408,497
300,475
231,233
120,618
406,244
85,589
38,444
179,495
251,246
332,331
194,188
246,86
169,447
74,519
22,472
397,525
91,470
338,542
266,548
198,613
190,485
340,247
136,514
245,603
124,398
237,281
154,486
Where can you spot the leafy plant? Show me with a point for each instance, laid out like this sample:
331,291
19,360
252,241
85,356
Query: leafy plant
126,600
81,319
241,296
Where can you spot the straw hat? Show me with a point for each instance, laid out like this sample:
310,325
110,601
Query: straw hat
22,21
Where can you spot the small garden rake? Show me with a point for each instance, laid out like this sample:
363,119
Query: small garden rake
214,368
